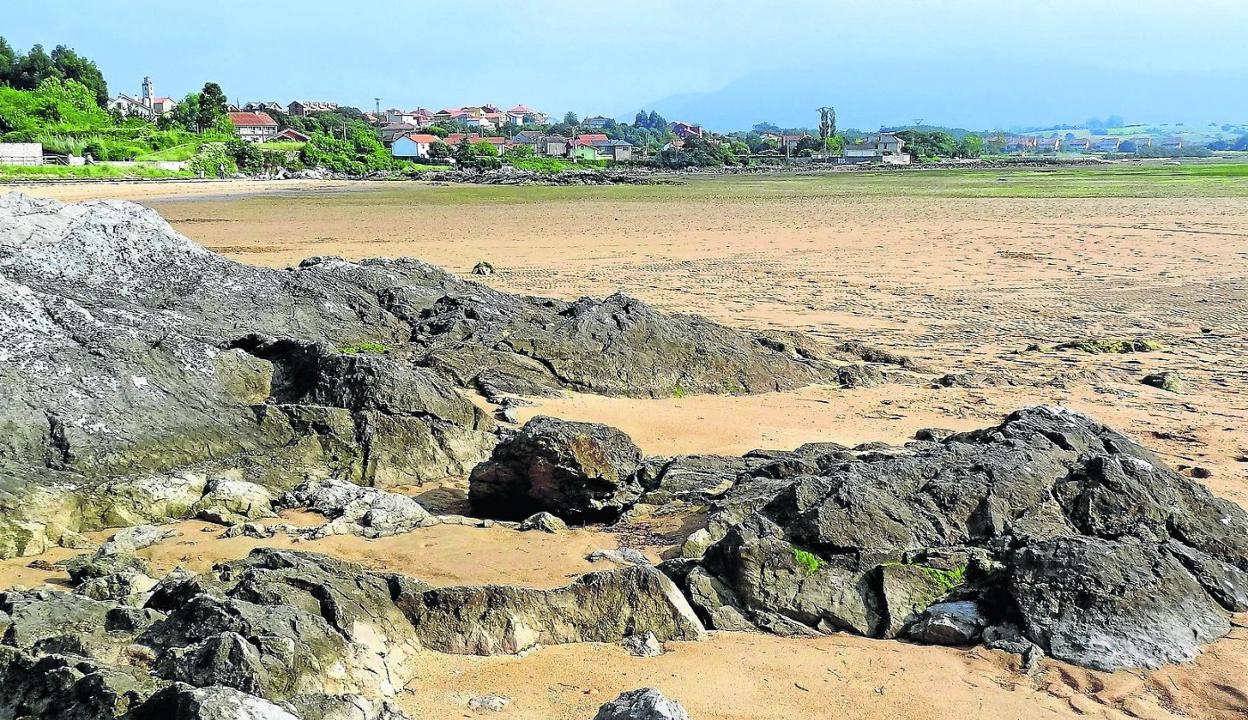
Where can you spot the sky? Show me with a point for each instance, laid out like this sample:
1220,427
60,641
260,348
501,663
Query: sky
961,61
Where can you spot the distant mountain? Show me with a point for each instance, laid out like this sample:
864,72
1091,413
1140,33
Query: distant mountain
868,96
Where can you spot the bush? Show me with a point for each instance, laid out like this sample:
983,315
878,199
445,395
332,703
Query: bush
212,160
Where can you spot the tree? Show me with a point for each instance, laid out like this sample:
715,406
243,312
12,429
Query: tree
8,62
439,150
827,123
72,66
972,146
33,68
834,145
186,114
571,119
212,106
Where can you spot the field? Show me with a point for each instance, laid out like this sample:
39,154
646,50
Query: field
980,273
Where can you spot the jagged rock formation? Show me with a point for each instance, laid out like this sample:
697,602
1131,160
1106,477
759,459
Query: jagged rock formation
1102,555
1049,522
144,376
311,633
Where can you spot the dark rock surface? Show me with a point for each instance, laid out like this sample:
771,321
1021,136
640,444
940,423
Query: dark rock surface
141,371
577,471
319,637
1097,551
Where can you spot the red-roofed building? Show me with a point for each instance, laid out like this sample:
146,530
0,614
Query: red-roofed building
591,138
685,131
454,139
254,126
292,135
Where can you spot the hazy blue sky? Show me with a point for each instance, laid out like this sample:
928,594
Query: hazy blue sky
617,57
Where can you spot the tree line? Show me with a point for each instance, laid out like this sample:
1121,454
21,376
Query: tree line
26,71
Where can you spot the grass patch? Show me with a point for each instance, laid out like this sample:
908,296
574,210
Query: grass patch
946,579
552,164
281,146
177,153
53,172
807,560
1111,347
364,348
679,391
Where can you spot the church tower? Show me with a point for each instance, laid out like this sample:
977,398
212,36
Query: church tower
149,92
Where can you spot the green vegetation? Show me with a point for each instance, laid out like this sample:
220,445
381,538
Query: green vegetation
1111,346
946,579
29,71
551,165
807,560
679,391
56,172
367,347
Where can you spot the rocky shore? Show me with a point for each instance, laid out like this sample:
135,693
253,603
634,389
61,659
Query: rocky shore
148,379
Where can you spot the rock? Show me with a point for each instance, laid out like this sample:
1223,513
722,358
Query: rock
200,367
599,607
1009,638
544,522
135,538
578,471
128,588
645,645
1167,380
355,510
1101,554
1110,605
949,623
622,556
643,704
483,268
183,702
230,501
488,703
89,567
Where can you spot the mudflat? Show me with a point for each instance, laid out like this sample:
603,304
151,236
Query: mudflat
981,277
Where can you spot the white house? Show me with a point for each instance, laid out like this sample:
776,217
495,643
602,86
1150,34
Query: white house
254,126
885,148
412,146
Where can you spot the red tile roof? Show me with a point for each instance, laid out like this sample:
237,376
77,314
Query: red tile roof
422,138
591,138
252,119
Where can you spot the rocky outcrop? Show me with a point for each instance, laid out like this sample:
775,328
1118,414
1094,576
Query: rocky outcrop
578,471
145,377
643,704
319,637
1050,522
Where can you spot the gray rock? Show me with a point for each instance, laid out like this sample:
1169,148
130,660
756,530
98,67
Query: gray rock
643,704
183,702
89,567
545,522
135,538
488,703
355,510
645,645
1166,380
231,501
1110,559
950,623
599,607
578,471
622,556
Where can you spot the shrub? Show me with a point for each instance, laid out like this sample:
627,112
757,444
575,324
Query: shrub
368,347
807,560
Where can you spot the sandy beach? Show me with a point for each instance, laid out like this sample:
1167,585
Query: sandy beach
982,288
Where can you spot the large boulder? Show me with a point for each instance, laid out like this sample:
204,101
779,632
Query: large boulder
578,471
1050,522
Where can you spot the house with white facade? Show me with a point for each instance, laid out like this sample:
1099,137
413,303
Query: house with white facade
254,126
882,148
